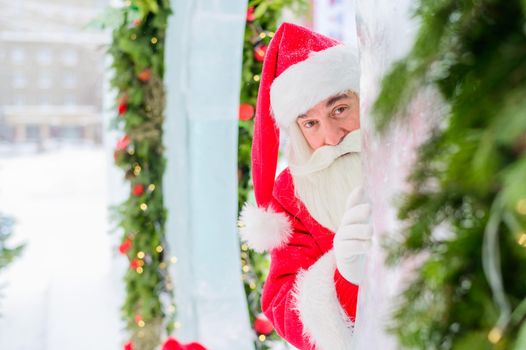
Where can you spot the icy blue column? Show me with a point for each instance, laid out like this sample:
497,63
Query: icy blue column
203,67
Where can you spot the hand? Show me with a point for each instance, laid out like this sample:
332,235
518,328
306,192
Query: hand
353,238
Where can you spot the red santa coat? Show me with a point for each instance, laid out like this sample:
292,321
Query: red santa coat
307,300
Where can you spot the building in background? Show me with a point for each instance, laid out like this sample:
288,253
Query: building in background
51,71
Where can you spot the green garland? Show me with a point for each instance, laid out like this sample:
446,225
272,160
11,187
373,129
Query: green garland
470,176
137,50
7,254
262,21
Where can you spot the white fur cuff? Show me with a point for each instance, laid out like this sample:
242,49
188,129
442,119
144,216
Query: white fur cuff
304,84
325,323
263,229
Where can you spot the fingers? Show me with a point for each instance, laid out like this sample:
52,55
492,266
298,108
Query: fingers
349,250
354,232
356,196
358,214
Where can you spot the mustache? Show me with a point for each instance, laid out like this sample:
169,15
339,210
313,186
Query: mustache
324,156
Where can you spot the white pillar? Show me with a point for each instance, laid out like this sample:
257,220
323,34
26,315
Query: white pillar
203,68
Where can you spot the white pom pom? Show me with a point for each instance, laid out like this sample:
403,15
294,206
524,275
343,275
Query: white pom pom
264,229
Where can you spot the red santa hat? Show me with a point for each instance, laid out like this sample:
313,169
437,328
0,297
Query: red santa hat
301,68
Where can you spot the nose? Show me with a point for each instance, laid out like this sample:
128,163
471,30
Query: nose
334,134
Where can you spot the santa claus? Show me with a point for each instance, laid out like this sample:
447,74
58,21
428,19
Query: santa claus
313,217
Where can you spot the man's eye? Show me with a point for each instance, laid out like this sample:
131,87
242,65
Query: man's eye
340,110
309,124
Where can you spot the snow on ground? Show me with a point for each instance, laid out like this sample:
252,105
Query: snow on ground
65,291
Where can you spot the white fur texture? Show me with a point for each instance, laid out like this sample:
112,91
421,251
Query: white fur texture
302,85
263,229
325,323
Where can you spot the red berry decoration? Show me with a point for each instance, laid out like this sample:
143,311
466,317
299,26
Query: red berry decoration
128,346
122,108
125,246
123,143
259,53
134,265
136,22
138,190
262,325
250,14
145,75
246,111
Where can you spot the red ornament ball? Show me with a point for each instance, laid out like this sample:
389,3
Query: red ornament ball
138,190
262,325
259,53
122,108
145,75
128,346
135,263
250,14
172,344
125,246
246,111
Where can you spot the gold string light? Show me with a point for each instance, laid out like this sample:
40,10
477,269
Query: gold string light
521,206
162,265
140,255
154,40
139,270
137,169
133,36
177,324
244,247
173,259
262,337
495,335
159,249
143,206
522,239
256,78
151,187
252,285
262,35
245,268
141,323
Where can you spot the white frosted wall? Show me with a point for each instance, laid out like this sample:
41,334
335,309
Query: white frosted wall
203,67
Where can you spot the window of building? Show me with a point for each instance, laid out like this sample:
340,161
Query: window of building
69,57
70,100
69,81
19,81
18,56
44,57
45,81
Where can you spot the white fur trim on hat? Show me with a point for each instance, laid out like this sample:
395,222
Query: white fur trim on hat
304,84
263,229
325,323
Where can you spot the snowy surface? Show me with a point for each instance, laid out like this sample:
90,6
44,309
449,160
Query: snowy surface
65,291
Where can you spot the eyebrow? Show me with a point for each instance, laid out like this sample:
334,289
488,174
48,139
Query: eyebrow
329,103
335,99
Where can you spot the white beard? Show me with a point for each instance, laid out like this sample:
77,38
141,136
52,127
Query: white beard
324,182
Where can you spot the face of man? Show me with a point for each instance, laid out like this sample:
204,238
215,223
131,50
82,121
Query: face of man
329,121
